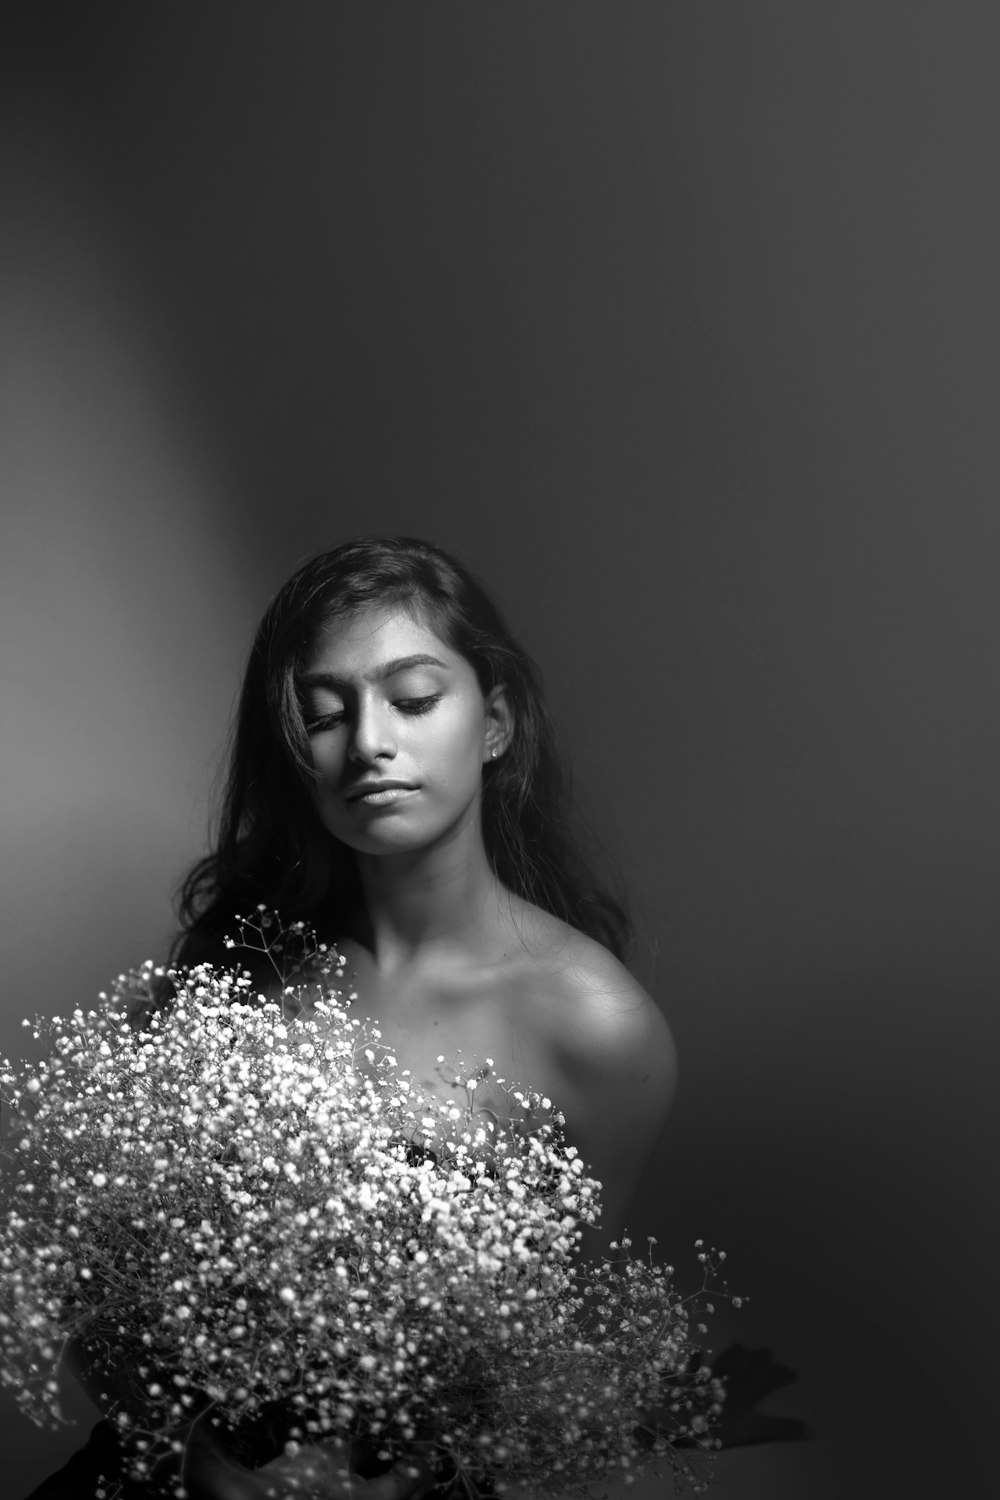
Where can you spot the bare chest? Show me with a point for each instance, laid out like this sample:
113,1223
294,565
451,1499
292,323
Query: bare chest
492,1041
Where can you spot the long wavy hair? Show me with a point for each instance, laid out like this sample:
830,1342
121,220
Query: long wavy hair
271,846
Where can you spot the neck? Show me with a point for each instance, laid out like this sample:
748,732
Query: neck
428,905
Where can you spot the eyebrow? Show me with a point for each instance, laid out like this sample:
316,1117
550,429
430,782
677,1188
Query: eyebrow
387,669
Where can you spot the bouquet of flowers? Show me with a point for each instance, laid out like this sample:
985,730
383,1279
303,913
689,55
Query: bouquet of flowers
228,1204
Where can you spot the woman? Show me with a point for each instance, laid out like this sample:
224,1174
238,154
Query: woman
394,783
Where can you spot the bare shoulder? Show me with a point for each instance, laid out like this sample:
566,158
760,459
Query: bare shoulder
596,1014
613,1059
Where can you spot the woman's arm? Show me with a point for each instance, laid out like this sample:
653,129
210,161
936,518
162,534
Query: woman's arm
212,1472
316,1472
619,1067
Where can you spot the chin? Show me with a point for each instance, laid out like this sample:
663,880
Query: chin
411,832
383,840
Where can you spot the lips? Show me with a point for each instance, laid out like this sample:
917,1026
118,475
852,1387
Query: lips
378,790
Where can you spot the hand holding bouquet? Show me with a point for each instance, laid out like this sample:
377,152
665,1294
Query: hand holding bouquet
234,1214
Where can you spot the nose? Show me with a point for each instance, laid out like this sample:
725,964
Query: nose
372,736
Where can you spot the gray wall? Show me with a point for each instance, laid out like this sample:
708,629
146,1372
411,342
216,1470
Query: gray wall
679,324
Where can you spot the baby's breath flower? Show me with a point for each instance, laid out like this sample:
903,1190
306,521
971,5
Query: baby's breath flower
241,1189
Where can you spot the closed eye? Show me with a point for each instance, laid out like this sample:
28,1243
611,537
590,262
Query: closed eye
415,706
325,721
409,706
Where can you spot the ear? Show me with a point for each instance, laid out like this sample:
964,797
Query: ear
498,725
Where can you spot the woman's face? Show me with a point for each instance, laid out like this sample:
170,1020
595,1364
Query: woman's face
399,730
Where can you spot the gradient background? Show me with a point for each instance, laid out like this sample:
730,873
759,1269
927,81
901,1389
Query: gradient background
679,323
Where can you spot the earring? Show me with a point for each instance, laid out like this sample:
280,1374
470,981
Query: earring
494,753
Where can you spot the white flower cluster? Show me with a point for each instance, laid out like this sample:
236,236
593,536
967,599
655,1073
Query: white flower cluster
225,1208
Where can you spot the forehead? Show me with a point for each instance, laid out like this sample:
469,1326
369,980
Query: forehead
362,642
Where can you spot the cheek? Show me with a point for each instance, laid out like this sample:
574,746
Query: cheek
454,748
327,762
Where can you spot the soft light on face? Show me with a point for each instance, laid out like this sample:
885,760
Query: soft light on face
399,730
